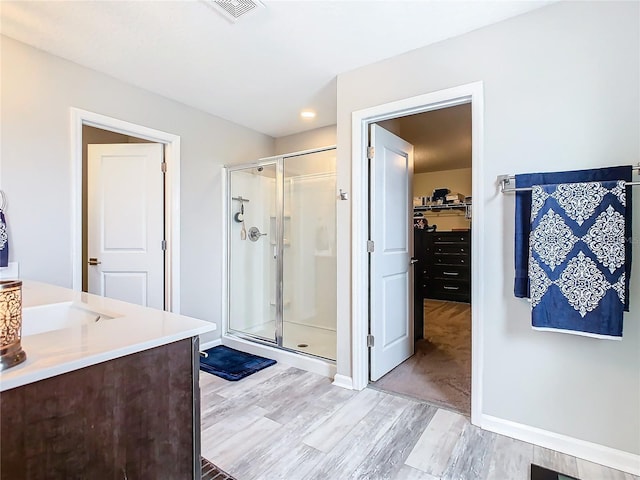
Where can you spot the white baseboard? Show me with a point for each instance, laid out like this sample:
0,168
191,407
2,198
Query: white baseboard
343,381
210,344
310,364
592,452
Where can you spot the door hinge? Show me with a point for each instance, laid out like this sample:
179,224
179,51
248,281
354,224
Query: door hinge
370,341
163,167
163,244
370,246
371,151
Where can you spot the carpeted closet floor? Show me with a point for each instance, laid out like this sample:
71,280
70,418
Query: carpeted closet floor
440,370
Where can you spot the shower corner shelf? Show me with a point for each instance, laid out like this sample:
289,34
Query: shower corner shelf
285,303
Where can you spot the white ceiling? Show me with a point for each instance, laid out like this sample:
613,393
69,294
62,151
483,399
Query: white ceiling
259,72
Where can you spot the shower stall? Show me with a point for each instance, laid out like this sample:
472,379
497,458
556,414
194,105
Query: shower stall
282,252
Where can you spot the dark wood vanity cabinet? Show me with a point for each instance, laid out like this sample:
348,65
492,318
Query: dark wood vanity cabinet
444,265
133,417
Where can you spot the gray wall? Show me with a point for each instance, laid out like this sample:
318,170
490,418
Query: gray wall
561,91
35,168
316,138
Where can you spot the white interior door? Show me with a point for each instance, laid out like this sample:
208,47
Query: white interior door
391,272
126,222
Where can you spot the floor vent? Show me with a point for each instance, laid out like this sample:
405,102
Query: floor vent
232,10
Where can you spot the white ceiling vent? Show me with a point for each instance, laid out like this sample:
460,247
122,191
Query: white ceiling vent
232,10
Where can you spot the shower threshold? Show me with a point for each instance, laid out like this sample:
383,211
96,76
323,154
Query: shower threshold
295,358
307,339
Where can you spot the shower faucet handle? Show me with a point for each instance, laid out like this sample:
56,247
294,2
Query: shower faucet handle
254,234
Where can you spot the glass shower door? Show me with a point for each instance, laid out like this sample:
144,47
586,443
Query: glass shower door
282,252
309,253
252,240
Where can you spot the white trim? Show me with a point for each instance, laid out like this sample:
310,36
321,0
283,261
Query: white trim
592,452
172,194
304,362
212,343
477,249
473,93
224,231
343,381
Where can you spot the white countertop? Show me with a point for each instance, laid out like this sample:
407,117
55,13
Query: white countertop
133,329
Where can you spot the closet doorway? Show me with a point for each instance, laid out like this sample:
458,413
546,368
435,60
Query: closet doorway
439,370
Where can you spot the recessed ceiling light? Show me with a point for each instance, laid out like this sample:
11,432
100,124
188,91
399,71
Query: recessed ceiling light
308,114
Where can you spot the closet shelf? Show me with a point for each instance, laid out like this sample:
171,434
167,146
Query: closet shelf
446,207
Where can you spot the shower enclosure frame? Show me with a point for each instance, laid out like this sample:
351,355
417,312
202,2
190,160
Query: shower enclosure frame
278,162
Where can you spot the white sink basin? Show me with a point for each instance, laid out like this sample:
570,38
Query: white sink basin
58,316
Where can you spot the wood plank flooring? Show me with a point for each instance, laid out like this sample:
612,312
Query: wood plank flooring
285,423
440,370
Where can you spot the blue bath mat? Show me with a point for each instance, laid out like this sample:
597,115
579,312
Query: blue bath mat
232,364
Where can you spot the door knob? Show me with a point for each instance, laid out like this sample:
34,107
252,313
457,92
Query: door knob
413,260
94,261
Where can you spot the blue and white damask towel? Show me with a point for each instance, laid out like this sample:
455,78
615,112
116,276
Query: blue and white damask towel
577,258
523,215
4,241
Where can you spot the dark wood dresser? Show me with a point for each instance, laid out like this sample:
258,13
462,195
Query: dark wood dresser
444,265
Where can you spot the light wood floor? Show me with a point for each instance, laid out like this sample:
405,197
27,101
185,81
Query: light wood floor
285,423
440,370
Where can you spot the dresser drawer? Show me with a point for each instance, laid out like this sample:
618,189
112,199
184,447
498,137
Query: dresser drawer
444,268
451,237
451,259
452,297
451,286
449,272
458,290
451,248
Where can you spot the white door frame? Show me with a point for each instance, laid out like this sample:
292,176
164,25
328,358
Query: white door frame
172,194
473,93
